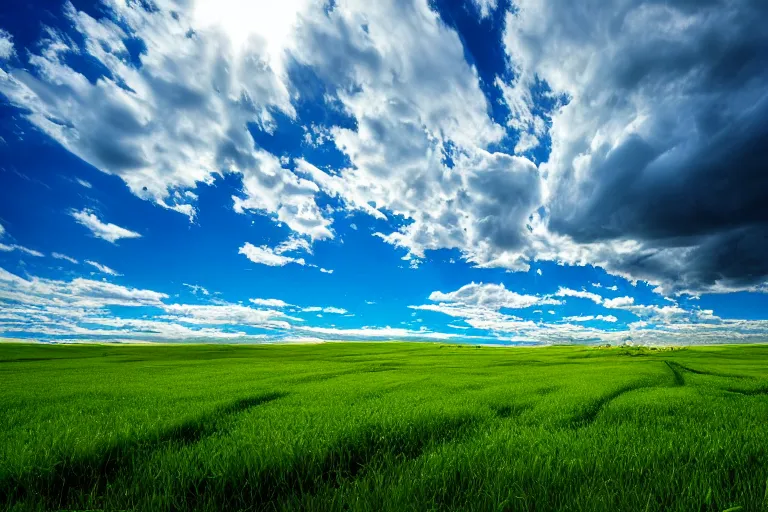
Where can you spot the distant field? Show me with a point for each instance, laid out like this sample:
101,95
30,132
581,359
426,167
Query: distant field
386,426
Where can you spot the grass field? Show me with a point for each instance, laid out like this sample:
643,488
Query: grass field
386,426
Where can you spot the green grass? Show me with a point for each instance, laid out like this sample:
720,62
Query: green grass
384,426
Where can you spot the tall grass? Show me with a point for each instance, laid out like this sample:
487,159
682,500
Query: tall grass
384,426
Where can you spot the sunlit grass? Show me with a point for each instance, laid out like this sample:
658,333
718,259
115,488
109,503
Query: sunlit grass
383,427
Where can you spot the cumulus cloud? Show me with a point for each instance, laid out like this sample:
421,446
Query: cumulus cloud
103,268
659,142
492,296
6,45
104,230
271,303
266,256
175,115
655,112
582,294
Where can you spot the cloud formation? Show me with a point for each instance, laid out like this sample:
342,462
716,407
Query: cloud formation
104,230
658,137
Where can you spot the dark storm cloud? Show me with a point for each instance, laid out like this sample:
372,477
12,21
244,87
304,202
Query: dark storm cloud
666,140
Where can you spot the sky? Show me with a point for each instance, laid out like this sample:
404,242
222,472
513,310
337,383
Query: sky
476,171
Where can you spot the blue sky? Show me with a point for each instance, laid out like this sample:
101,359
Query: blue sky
475,171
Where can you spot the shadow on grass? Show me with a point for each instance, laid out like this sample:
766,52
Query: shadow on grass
307,473
90,474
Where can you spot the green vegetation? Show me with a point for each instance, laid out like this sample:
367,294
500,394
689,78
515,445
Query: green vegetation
383,426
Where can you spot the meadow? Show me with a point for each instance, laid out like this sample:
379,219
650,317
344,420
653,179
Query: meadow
383,426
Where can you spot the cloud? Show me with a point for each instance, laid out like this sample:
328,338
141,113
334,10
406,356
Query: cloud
486,7
6,45
106,231
196,288
583,294
79,292
227,314
266,256
387,333
326,271
20,248
492,296
655,112
83,183
64,257
82,309
176,115
271,303
656,135
103,268
654,313
589,318
2,231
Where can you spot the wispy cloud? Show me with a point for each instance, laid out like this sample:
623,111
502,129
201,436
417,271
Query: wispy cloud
102,268
20,248
104,230
64,257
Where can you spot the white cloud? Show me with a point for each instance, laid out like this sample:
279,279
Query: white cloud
81,308
588,318
83,183
386,333
618,302
491,296
229,314
79,293
196,288
567,292
266,256
486,7
6,45
2,230
64,257
179,118
654,313
538,271
102,268
326,271
336,311
20,248
270,303
106,231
